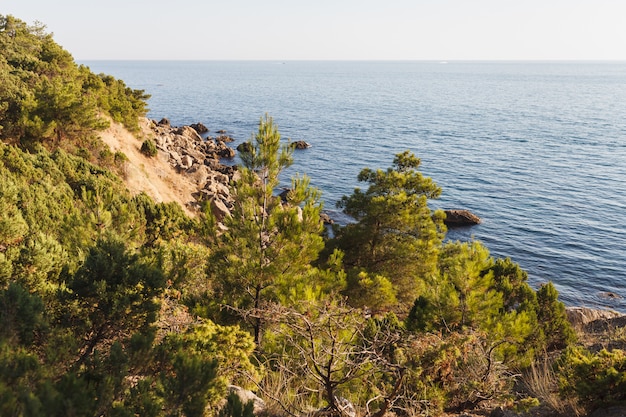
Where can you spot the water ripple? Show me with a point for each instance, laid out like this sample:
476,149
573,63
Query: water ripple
537,150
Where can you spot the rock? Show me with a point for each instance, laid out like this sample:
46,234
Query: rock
300,145
212,163
198,159
199,173
326,218
345,408
246,396
500,412
581,316
164,122
224,138
189,133
226,152
162,142
199,127
221,132
219,209
244,147
284,194
176,157
610,295
457,218
197,156
186,162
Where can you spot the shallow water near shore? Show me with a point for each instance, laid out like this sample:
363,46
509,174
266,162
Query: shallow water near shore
537,150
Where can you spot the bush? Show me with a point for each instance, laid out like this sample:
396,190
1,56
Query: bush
148,148
456,372
594,379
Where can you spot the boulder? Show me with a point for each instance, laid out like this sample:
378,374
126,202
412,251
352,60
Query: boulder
244,147
164,122
457,218
224,138
162,142
581,317
175,156
226,152
245,396
186,162
189,133
326,218
199,173
199,127
284,194
300,144
198,159
219,209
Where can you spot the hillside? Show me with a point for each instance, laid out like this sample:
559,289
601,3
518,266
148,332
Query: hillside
117,299
154,176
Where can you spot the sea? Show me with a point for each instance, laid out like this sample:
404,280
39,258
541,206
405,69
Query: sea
536,149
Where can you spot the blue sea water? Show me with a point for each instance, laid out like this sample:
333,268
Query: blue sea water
536,149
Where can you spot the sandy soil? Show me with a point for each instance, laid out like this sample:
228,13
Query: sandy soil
154,176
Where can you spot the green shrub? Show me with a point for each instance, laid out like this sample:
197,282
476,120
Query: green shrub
148,148
595,379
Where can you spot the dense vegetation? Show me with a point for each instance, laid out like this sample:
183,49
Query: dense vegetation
112,304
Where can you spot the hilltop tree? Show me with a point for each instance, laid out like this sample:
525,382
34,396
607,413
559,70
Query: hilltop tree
269,243
46,96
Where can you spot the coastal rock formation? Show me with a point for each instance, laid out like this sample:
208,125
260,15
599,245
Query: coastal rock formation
583,316
457,218
198,159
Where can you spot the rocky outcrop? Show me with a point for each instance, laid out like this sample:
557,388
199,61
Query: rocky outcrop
594,319
198,159
458,218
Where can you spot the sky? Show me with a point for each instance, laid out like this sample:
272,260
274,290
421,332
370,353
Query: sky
331,29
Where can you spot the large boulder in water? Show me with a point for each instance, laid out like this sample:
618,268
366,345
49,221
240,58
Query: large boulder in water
457,218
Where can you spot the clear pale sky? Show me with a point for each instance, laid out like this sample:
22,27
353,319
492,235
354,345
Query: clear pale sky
332,29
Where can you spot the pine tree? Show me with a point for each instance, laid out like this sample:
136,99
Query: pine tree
269,243
396,235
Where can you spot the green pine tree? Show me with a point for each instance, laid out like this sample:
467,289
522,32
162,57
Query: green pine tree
269,243
396,234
